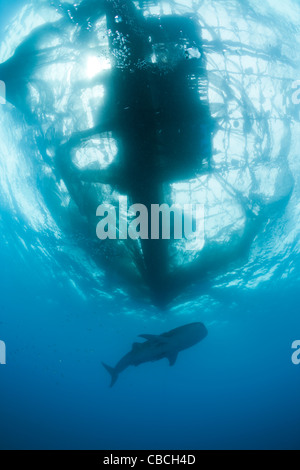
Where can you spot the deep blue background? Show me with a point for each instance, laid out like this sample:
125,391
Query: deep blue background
238,389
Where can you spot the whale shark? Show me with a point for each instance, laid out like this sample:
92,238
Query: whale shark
156,347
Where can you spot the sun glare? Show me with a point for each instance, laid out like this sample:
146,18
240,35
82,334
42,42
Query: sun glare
96,65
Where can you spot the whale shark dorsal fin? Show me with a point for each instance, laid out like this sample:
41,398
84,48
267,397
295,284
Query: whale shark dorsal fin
150,337
172,358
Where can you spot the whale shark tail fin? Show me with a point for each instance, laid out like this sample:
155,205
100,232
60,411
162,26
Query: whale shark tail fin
112,373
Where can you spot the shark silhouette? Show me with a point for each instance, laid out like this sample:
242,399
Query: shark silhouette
156,347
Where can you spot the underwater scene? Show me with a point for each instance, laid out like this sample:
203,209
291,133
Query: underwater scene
149,224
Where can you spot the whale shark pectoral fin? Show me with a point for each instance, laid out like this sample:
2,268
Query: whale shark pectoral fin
150,337
172,358
136,346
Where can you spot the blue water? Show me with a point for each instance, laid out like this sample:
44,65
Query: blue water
60,316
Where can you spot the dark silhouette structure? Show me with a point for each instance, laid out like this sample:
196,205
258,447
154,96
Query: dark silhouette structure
156,107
